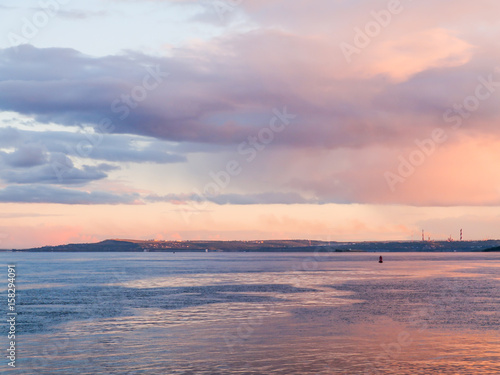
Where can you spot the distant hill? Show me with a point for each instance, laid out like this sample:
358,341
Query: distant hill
119,245
130,245
104,246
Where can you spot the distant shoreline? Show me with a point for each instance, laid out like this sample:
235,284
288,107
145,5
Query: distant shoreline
271,246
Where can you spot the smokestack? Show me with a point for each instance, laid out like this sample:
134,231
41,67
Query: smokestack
461,235
423,235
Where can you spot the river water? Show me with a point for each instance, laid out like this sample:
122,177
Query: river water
255,313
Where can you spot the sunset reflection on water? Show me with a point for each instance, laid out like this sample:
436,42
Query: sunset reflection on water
262,314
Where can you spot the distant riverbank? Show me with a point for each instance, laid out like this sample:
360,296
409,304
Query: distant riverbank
125,245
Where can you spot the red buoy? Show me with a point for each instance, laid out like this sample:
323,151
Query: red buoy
380,259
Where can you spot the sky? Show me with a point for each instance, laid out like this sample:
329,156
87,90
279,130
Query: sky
248,119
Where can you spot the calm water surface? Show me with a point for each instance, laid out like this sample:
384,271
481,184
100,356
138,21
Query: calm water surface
254,313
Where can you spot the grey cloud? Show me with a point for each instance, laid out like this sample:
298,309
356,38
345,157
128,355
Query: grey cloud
46,157
58,169
223,92
214,100
27,155
237,199
108,147
50,194
436,90
220,100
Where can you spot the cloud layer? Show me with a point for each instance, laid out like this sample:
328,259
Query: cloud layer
356,118
49,194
